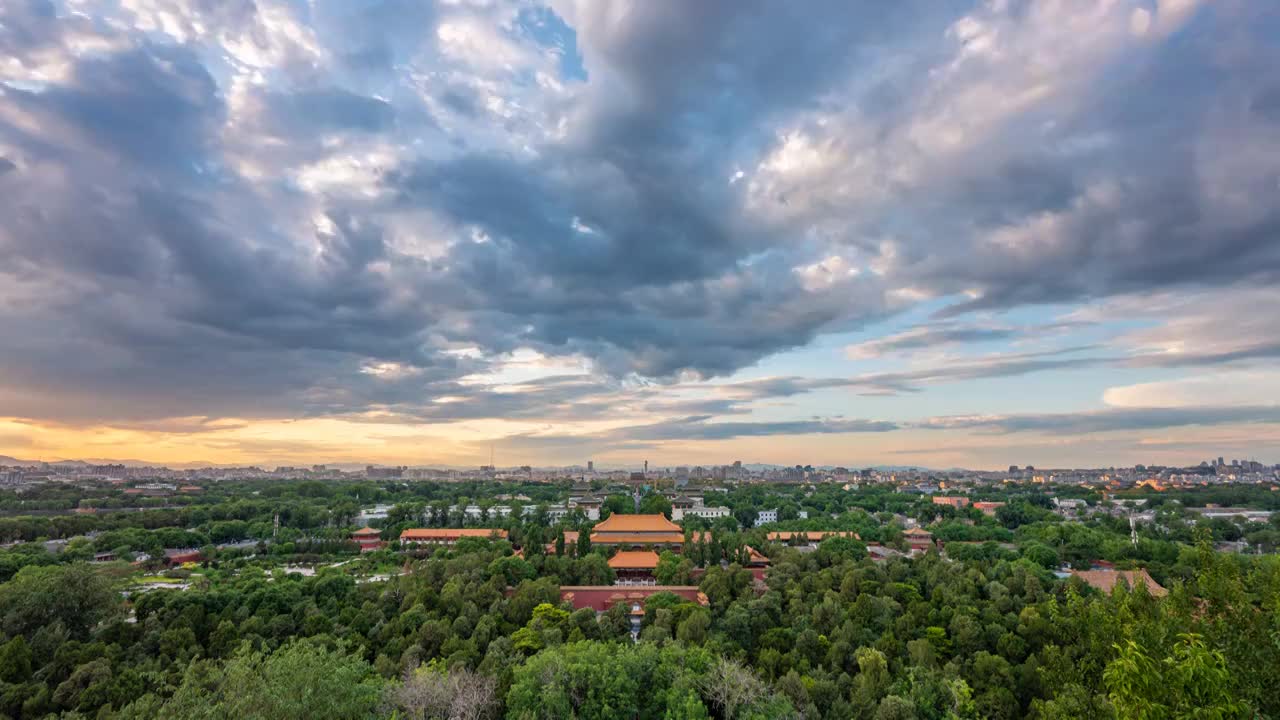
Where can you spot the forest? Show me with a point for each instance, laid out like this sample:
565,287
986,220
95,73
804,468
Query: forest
984,629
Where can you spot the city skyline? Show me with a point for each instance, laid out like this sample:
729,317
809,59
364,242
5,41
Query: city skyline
589,467
947,235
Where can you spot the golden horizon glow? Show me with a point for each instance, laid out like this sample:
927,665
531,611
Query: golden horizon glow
335,440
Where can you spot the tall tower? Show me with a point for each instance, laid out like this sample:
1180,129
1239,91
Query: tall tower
646,469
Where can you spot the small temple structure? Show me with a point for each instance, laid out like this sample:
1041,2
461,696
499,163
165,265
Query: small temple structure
757,563
367,539
919,539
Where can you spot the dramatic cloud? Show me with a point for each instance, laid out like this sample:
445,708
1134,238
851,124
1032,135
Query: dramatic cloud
266,210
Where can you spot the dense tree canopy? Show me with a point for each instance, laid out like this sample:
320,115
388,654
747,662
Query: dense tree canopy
984,629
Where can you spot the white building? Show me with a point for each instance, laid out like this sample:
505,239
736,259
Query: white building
707,513
767,516
377,512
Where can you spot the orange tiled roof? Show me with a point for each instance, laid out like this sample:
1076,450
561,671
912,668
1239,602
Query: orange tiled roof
1105,580
366,531
918,532
570,541
637,524
450,533
636,538
634,560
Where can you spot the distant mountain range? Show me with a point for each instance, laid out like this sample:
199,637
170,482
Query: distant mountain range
8,460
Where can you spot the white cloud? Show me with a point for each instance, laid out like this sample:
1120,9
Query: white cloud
358,172
1228,388
825,273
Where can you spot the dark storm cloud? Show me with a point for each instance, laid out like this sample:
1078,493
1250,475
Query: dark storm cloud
652,236
162,307
157,107
245,214
1202,211
648,282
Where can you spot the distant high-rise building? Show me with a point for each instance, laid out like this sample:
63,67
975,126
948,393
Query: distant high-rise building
646,468
591,466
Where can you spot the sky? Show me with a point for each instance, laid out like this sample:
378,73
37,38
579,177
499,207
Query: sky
944,233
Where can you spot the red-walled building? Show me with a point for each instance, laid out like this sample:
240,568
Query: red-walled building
368,539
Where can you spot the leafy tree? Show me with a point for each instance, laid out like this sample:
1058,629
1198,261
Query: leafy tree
672,569
15,661
655,503
1192,682
618,504
1041,554
75,596
584,680
300,680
